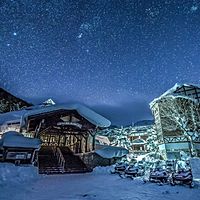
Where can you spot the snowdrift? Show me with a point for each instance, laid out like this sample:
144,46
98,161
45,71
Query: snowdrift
11,174
195,165
102,170
15,139
112,152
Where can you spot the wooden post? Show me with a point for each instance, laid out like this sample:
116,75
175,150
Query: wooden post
86,144
33,157
65,140
48,139
37,130
80,144
93,142
59,140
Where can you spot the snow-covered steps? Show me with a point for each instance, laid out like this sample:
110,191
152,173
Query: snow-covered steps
51,170
73,163
48,163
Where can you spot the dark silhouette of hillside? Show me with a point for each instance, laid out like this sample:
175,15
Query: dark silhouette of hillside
9,102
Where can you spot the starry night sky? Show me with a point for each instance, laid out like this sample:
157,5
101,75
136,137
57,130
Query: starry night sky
113,55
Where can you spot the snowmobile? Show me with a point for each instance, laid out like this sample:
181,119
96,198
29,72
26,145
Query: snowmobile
183,177
132,171
158,176
119,168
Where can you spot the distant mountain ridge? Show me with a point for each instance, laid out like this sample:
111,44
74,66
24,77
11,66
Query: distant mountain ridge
138,123
144,123
9,102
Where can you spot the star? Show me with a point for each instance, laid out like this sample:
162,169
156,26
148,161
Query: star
80,35
194,8
115,56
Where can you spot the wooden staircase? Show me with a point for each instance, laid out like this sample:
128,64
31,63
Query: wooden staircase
73,163
48,163
60,161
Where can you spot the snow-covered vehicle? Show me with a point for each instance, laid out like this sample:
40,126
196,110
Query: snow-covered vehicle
119,168
158,175
133,171
182,177
170,165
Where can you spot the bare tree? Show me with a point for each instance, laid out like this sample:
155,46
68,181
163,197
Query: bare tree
180,115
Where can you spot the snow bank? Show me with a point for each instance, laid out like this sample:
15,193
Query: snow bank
15,139
11,174
112,152
102,170
195,165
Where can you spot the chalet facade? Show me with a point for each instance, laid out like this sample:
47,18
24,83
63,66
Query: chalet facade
177,121
67,133
138,136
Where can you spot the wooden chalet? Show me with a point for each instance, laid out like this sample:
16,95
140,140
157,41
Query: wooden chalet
67,133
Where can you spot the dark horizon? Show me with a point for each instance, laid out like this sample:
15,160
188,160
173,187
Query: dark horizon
130,115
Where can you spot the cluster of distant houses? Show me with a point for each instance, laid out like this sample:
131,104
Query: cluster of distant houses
176,124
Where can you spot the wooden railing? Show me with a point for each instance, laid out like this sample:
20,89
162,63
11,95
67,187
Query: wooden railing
87,158
61,160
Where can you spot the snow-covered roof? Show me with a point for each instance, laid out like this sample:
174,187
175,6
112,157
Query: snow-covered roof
102,139
171,92
15,139
177,86
112,152
138,141
172,97
15,116
84,111
10,117
49,102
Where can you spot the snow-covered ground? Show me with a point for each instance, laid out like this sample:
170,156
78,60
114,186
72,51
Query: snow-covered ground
98,185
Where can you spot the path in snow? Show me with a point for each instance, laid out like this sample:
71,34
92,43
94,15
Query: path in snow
94,186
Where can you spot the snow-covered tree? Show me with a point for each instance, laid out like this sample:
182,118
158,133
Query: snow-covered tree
118,136
180,115
152,142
